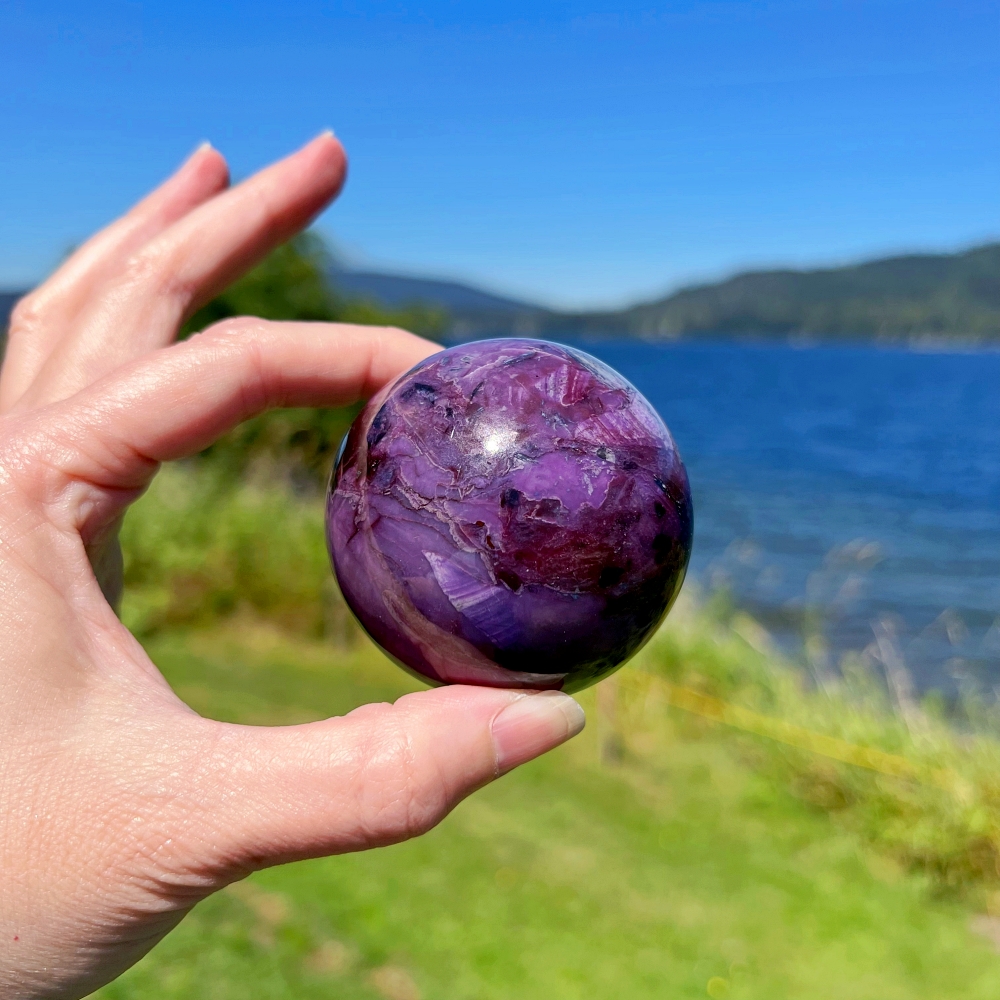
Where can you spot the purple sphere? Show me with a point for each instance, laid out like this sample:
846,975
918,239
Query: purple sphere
510,513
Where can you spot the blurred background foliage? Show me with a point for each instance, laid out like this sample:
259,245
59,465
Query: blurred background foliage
292,283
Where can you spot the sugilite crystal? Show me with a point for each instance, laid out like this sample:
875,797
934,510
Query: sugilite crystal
510,513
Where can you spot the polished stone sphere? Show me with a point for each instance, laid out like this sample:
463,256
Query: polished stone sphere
510,513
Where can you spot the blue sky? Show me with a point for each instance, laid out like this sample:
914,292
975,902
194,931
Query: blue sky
572,153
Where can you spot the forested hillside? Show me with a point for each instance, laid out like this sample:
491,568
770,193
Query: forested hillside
893,298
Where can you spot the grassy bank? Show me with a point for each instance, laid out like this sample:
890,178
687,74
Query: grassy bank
661,854
681,869
199,550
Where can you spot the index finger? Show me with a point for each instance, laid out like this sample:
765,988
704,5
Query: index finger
178,400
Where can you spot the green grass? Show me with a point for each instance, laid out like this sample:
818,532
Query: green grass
701,861
684,870
199,548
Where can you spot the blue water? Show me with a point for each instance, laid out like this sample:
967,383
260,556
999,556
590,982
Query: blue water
836,488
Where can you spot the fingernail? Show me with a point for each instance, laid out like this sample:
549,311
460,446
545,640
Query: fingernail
533,724
327,133
202,148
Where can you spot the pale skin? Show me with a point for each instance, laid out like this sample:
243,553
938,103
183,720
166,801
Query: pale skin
120,808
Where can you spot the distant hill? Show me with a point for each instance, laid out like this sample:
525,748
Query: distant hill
895,298
942,295
398,290
472,312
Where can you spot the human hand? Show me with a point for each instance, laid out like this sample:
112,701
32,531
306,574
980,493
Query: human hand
120,808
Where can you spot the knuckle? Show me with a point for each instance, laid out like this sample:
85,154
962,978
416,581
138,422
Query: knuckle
155,270
27,315
243,341
400,795
142,269
234,326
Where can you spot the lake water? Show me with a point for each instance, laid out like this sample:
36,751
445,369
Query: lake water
848,494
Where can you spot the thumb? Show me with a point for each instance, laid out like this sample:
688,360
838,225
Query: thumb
377,776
